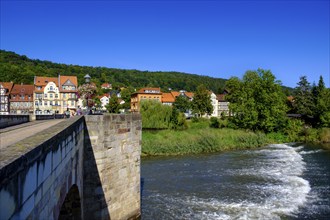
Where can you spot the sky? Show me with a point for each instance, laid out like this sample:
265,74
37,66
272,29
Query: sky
213,38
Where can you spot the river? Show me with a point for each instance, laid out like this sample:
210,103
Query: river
276,182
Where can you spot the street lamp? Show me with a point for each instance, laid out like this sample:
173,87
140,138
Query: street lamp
87,81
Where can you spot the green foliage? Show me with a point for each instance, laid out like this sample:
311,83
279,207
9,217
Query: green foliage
113,106
199,140
16,68
126,96
294,129
325,135
201,103
182,122
155,115
257,102
214,122
182,103
303,99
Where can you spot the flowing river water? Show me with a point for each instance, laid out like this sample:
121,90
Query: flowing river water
276,182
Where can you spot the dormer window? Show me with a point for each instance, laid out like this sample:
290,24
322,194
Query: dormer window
51,88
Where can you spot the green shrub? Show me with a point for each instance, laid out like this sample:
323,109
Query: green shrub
294,129
325,135
214,122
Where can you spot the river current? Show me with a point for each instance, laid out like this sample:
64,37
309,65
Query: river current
280,181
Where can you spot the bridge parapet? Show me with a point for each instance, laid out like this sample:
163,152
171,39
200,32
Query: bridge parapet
97,156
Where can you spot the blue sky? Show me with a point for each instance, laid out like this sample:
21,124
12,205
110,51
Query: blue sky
214,38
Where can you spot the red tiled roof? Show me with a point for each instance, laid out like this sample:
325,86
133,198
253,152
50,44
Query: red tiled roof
168,97
143,90
22,90
8,86
221,97
64,79
106,85
43,81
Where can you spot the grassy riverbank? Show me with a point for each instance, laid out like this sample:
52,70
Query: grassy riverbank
199,138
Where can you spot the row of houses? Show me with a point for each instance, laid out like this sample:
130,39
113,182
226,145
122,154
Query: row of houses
48,95
220,105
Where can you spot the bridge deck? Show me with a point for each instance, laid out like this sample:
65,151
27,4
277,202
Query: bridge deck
13,134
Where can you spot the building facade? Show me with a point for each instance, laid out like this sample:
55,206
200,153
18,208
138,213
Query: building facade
55,94
144,94
21,99
5,89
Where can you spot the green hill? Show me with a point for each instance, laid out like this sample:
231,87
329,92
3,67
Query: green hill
21,69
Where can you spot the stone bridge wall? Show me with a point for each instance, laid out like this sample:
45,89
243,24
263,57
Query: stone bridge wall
98,154
10,120
39,171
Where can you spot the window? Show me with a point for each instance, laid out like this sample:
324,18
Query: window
51,88
72,103
56,96
50,102
64,95
56,102
51,96
45,103
36,102
45,95
64,103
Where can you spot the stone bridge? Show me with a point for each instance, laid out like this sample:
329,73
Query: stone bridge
86,167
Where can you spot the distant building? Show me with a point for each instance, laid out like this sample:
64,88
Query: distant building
106,86
223,105
55,94
21,99
5,89
105,98
144,94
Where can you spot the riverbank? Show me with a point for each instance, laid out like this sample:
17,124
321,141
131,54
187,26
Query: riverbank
199,138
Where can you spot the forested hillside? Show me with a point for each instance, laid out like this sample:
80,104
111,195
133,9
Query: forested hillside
21,69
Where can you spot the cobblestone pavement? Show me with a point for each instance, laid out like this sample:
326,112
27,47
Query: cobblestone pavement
13,134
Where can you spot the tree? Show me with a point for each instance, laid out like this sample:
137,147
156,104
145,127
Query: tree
257,102
303,99
182,103
113,106
321,97
126,96
201,103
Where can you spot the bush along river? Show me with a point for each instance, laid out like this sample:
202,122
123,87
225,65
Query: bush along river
280,181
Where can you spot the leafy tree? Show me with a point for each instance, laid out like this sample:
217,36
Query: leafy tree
182,103
155,115
321,97
257,102
303,99
126,96
113,106
201,103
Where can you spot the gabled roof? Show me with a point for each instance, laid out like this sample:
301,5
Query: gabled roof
68,81
43,81
104,95
189,94
8,86
20,89
149,90
168,97
221,97
40,81
106,85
